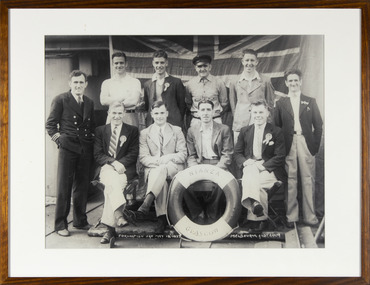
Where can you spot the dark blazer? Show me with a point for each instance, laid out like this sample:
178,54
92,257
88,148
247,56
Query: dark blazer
173,96
127,152
76,128
309,117
273,153
222,145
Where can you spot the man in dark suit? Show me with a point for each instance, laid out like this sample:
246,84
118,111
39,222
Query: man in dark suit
207,143
71,126
116,150
166,88
299,117
260,153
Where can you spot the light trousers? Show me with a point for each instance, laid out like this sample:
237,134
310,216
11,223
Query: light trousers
255,184
114,183
300,156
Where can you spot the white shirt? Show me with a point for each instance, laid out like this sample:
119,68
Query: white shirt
295,100
249,80
257,141
207,151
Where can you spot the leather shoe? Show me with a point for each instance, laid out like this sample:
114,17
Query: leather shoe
290,225
259,228
121,222
257,209
64,233
85,227
108,237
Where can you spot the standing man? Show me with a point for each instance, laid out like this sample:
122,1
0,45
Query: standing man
163,154
299,117
116,150
208,143
123,88
71,126
260,153
205,87
166,88
249,87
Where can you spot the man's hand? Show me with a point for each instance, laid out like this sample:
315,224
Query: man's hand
165,159
118,166
249,161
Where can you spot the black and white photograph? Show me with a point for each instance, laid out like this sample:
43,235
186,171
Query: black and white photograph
188,142
201,141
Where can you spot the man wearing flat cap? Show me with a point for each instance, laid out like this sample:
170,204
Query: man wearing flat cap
205,86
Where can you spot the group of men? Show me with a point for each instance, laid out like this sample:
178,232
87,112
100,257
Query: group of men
268,140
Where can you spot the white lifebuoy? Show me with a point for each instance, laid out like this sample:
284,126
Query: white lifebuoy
224,225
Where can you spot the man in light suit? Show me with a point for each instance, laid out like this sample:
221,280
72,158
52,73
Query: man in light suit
260,153
299,117
116,150
207,143
249,87
71,126
166,88
163,154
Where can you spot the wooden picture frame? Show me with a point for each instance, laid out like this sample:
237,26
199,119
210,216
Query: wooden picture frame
363,5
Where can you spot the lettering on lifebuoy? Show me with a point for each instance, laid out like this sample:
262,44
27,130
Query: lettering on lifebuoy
223,226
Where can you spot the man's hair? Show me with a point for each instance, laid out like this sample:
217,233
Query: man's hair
259,103
116,104
206,101
76,73
250,51
292,71
160,53
119,54
158,104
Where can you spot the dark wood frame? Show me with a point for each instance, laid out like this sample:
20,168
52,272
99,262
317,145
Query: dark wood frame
364,5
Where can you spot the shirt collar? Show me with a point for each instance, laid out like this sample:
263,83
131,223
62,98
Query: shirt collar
155,76
119,127
255,76
208,78
207,129
76,97
261,127
294,96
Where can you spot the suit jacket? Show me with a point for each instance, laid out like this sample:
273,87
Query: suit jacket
173,144
273,153
76,128
173,96
126,153
222,144
309,117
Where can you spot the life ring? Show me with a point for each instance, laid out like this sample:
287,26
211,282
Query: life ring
224,225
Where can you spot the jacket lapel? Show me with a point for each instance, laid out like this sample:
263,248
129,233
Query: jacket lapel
255,84
215,133
107,135
153,136
288,106
267,130
87,106
168,133
250,138
124,135
152,93
302,106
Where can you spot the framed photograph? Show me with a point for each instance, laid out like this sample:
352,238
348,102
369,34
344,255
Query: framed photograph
327,44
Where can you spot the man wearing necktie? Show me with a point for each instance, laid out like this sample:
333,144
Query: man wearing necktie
71,126
163,154
116,150
208,143
205,86
260,153
299,117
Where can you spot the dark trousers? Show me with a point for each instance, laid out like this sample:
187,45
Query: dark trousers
73,177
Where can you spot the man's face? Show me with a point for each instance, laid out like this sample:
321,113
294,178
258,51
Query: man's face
203,69
160,65
117,115
78,85
293,83
119,64
205,112
249,62
159,115
259,114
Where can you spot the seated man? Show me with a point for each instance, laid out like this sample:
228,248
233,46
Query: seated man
116,150
163,154
260,152
208,143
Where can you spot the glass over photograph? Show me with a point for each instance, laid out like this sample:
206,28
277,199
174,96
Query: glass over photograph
198,141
